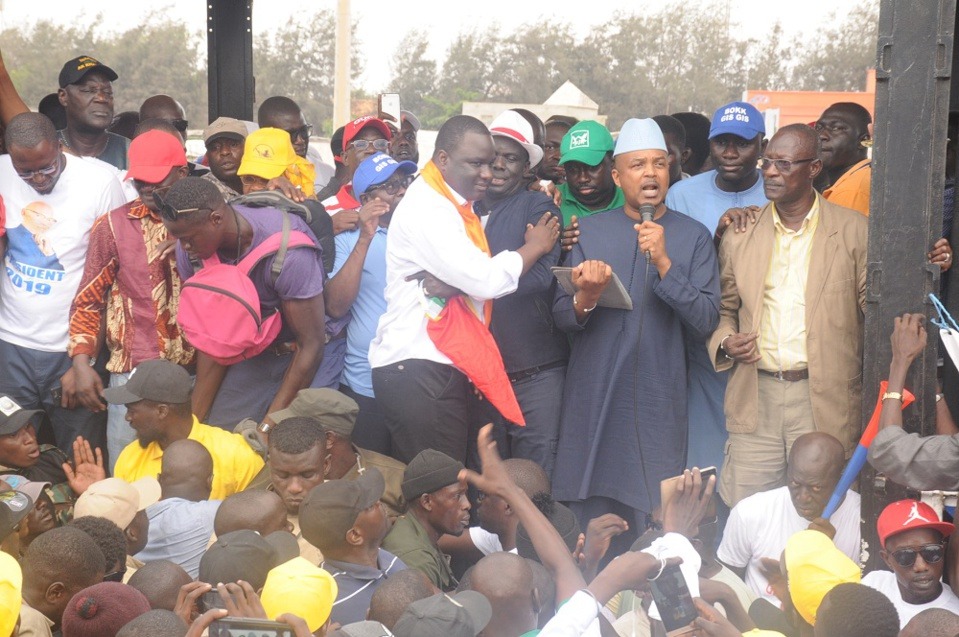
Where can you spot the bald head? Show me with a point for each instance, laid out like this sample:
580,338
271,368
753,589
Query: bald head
818,451
805,136
507,582
528,476
396,593
186,471
815,463
166,108
156,623
255,510
160,583
932,622
162,107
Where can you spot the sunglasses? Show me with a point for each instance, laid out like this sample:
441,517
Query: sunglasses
394,185
931,553
303,132
27,175
783,165
377,144
180,124
168,211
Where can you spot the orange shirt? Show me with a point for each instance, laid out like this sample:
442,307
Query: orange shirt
852,188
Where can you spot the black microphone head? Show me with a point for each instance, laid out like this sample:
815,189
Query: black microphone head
646,212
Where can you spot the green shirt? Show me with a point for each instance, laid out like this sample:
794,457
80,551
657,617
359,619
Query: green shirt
408,541
570,206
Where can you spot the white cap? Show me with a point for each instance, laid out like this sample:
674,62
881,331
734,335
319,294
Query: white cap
640,134
117,500
512,125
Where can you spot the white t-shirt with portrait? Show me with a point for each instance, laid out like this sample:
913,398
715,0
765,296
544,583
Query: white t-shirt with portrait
47,239
885,583
760,525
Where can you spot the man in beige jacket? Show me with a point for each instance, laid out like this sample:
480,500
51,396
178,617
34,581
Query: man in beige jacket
791,319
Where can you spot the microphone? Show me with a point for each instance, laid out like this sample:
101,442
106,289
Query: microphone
646,212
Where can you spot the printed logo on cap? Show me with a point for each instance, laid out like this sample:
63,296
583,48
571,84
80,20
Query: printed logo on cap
579,140
8,407
264,151
86,62
15,500
914,515
735,114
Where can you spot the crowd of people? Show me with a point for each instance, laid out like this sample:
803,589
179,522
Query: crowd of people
549,380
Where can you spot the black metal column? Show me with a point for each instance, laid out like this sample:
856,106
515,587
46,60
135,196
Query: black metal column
912,103
230,58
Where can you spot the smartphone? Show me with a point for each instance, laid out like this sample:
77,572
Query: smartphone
389,109
209,601
669,486
244,627
673,600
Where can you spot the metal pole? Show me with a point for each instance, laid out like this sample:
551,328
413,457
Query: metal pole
908,171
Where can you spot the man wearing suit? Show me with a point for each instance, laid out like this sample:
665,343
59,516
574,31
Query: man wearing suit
791,319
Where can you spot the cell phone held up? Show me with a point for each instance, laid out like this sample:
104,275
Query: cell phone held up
674,601
244,627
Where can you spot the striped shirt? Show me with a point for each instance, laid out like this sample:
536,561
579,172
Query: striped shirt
356,584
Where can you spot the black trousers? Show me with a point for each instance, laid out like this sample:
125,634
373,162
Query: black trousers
370,431
426,405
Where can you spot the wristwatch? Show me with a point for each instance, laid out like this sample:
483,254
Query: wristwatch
264,427
892,394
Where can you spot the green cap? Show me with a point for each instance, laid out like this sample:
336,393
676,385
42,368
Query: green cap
587,142
335,412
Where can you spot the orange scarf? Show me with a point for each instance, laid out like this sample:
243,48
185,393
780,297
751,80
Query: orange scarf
474,229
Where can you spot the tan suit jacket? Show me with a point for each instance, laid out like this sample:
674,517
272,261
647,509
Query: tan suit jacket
835,306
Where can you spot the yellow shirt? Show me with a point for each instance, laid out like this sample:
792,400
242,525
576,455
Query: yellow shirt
852,188
782,329
234,462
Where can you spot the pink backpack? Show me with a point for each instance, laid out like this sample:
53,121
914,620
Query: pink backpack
219,310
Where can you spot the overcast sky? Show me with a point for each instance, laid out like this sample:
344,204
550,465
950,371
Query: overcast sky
383,24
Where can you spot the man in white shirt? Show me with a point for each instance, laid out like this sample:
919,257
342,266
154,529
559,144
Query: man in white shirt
760,525
913,545
434,231
51,200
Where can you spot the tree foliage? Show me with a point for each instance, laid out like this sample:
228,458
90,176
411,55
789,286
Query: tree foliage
682,58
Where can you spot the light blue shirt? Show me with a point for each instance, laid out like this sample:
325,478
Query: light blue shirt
180,531
700,198
367,308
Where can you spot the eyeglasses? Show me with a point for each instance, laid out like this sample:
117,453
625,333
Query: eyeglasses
783,165
252,180
180,124
931,553
303,132
394,185
27,175
377,144
168,211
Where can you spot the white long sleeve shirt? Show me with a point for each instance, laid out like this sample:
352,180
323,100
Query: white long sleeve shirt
427,233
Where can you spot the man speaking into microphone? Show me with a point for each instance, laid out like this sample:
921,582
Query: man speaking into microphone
624,404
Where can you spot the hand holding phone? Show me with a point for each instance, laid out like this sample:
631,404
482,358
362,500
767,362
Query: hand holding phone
674,601
687,499
244,627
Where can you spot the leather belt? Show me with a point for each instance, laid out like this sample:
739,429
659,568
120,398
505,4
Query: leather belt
532,371
790,376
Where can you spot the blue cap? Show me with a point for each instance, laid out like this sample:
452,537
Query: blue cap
377,169
738,118
640,134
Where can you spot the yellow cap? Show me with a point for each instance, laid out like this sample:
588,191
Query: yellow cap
300,588
815,566
11,582
267,153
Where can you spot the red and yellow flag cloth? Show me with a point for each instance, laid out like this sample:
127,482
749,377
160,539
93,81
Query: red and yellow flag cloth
459,334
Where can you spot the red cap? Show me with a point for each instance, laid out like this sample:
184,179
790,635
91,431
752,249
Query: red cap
153,154
906,515
358,124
